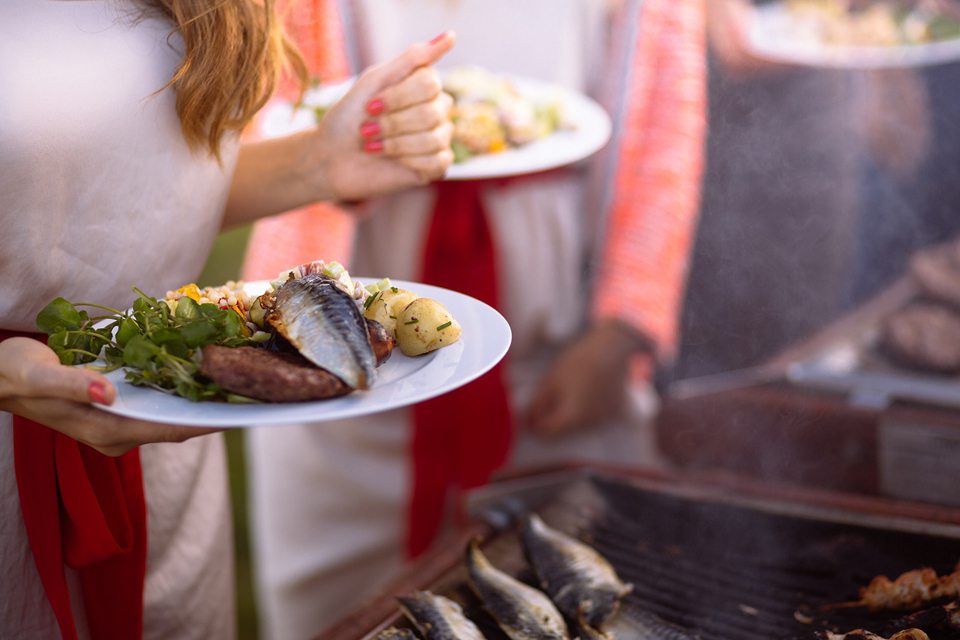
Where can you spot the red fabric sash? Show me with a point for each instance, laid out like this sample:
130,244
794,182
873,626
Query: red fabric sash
462,437
86,510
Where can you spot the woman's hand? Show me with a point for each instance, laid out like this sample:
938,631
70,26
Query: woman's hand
588,382
34,384
390,131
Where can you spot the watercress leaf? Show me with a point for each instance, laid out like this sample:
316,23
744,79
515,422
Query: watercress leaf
188,391
210,310
128,329
187,308
232,326
177,348
198,332
165,334
58,315
113,355
141,304
93,342
58,342
139,352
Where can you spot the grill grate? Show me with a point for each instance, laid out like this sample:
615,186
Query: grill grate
719,568
734,573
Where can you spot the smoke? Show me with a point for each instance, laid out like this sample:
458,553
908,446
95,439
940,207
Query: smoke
819,186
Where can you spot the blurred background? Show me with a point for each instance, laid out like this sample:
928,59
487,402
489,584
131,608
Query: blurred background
831,165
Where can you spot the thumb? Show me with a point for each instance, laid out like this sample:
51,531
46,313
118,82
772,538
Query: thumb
418,55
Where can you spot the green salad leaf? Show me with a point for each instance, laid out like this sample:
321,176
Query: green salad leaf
159,348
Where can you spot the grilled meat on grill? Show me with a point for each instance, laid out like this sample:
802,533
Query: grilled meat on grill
909,590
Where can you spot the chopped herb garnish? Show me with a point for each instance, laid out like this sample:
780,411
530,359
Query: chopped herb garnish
369,301
444,325
394,289
412,321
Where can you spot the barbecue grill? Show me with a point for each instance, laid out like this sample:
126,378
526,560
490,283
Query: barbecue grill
723,560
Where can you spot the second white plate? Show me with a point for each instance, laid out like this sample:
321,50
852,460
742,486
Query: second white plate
591,129
774,35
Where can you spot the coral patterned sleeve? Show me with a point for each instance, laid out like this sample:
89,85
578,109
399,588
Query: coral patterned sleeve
656,188
320,231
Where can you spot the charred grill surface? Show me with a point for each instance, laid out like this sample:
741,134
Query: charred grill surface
731,573
718,571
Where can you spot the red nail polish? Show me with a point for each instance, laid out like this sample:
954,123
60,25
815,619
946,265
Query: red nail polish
370,130
375,107
97,392
438,38
373,146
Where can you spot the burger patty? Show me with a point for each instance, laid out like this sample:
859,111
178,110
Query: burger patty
270,376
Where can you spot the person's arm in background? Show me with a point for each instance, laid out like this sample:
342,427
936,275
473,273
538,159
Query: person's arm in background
639,286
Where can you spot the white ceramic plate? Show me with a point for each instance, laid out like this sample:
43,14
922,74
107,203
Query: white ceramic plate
774,35
400,380
591,130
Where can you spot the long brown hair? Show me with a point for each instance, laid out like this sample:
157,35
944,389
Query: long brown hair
234,53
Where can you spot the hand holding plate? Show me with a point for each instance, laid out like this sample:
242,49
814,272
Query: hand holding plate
35,385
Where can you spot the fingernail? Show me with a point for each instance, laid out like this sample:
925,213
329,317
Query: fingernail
438,38
97,392
373,146
375,107
370,129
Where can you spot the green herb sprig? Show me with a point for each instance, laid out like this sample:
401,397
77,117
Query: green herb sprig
160,349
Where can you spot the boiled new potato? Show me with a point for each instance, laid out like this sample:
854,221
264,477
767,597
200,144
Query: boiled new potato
425,325
385,306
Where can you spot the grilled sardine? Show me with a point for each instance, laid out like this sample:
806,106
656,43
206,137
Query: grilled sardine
393,633
438,618
523,612
579,580
326,326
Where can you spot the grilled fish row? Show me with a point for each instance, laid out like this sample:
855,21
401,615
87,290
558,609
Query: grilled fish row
579,587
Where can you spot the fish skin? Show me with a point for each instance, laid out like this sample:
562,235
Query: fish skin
580,581
438,618
393,633
634,624
326,326
521,611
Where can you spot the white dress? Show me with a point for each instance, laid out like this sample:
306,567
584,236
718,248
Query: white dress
328,501
99,193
